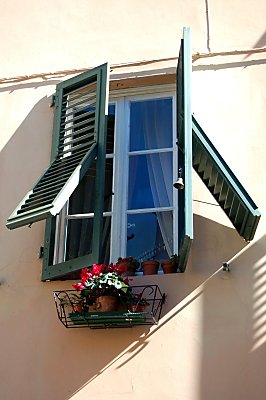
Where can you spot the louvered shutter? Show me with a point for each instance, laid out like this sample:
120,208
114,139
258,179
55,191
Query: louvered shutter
223,184
76,143
184,140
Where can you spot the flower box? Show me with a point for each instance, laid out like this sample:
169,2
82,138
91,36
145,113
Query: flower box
108,318
71,317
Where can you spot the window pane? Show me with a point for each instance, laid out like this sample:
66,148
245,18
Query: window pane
110,129
151,124
150,235
79,238
150,181
82,200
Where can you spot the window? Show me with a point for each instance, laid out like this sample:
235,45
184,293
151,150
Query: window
110,195
138,194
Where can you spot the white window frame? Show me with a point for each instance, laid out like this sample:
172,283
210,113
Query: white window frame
121,163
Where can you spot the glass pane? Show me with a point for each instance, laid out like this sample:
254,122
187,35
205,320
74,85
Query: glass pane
150,235
79,238
82,199
150,181
80,231
151,124
110,129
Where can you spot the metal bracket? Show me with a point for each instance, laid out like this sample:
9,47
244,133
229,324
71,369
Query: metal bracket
226,267
41,252
52,101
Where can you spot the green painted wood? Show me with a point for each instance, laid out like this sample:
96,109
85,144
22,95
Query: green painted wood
184,138
62,269
117,318
59,270
71,155
223,184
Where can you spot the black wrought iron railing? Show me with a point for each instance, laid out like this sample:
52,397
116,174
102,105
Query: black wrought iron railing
145,310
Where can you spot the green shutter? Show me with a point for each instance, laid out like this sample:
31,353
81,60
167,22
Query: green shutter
223,184
184,138
75,145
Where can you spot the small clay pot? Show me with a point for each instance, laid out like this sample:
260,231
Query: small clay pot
78,307
130,269
168,267
137,307
150,267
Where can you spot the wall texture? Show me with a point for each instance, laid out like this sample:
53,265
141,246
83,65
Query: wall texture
210,343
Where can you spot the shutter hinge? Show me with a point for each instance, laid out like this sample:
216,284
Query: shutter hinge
54,101
41,252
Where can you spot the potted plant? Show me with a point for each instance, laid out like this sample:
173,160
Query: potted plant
171,265
136,303
102,286
130,263
150,267
74,302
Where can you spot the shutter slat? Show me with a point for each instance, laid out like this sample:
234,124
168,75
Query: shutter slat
76,139
88,87
51,186
83,115
77,125
72,150
81,94
24,209
87,101
76,133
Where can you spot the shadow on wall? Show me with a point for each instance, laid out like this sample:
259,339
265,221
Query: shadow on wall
213,244
217,67
26,154
22,160
233,359
88,354
62,361
261,42
28,85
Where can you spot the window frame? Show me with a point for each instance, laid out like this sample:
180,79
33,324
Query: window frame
120,211
121,157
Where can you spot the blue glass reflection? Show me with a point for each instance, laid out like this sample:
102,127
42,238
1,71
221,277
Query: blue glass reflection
111,109
145,235
150,181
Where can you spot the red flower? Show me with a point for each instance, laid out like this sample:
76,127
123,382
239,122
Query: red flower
97,269
121,268
78,286
84,273
110,268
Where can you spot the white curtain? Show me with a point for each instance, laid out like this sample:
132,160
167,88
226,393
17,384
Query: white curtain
160,168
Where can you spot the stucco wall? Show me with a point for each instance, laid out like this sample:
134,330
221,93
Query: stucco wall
210,343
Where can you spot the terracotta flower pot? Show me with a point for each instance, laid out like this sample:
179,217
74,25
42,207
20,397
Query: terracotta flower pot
137,307
130,263
130,271
150,267
168,267
78,307
107,303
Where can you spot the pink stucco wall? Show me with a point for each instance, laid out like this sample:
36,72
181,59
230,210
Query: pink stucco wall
210,342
